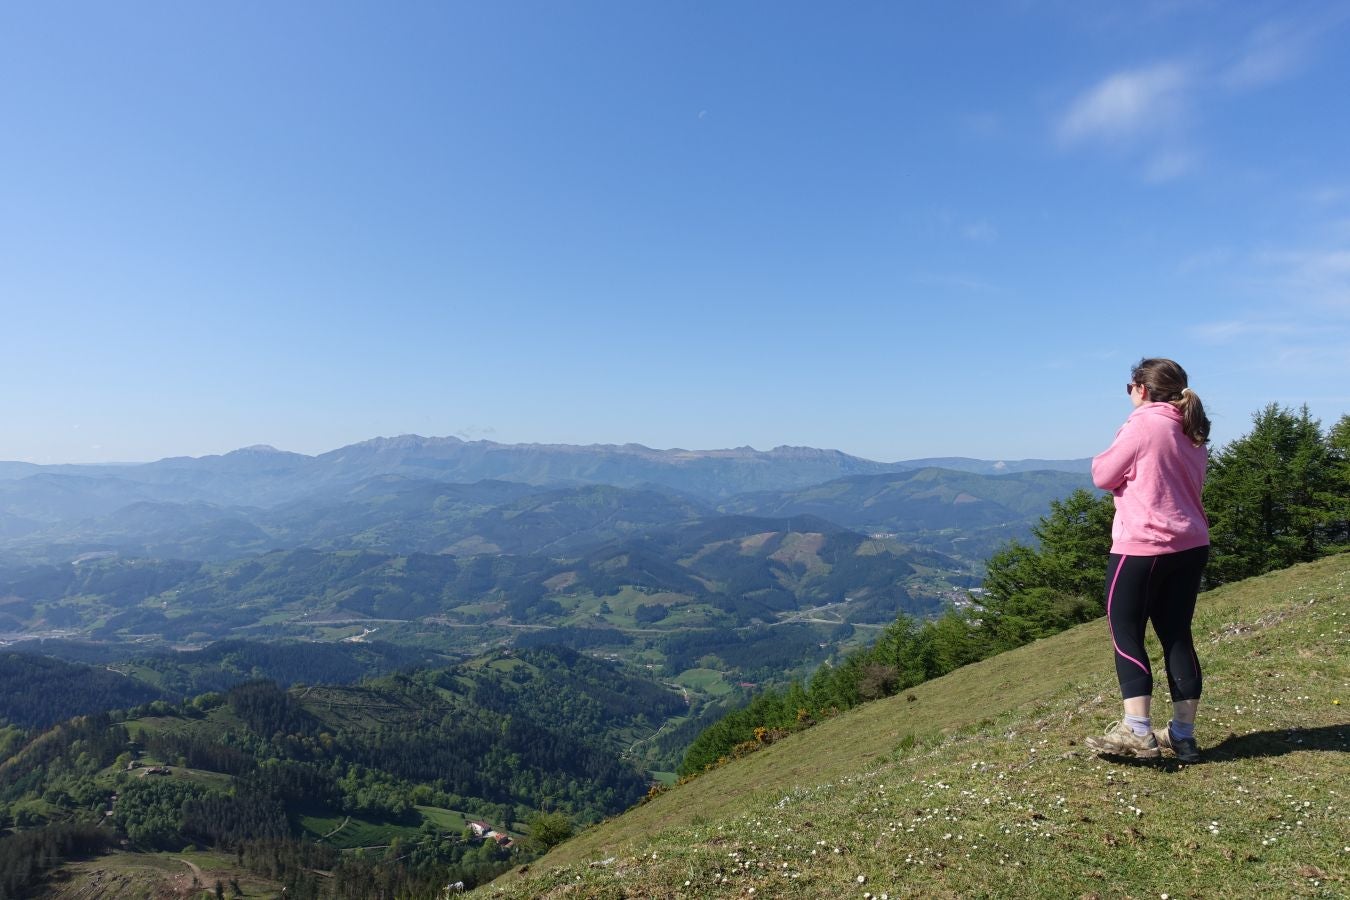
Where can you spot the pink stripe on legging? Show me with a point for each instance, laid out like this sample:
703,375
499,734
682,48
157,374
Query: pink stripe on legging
1110,595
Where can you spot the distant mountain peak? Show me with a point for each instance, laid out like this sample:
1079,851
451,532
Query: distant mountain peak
404,442
258,452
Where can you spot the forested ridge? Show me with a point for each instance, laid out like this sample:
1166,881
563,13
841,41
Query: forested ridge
726,573
507,739
40,691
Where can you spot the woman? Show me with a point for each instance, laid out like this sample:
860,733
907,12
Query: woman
1159,545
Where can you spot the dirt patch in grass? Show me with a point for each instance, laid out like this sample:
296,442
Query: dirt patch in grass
155,876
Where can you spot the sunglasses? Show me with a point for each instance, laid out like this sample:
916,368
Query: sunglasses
1129,388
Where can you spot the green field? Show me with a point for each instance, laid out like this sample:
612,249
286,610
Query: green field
350,832
444,819
705,681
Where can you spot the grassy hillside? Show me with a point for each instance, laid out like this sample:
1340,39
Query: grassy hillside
977,784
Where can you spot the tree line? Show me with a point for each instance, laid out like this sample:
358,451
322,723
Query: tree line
28,855
40,691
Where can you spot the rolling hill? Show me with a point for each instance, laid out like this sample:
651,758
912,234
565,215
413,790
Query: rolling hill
741,565
963,514
307,774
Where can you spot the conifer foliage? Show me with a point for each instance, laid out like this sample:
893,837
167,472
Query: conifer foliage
1279,495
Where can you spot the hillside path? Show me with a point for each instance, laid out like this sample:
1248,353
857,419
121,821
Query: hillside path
337,829
196,869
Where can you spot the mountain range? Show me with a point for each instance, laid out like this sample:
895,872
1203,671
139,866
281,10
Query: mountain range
442,495
264,476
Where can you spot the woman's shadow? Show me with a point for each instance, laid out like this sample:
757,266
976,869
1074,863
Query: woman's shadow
1334,738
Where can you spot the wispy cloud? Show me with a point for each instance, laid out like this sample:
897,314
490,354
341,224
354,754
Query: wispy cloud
1271,54
1168,165
1150,112
1319,274
1299,320
1278,49
1229,330
1303,343
1127,104
1328,195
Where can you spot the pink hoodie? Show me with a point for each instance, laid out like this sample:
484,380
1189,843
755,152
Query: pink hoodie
1156,475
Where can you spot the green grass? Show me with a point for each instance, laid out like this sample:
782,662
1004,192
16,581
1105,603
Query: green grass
318,826
445,819
352,832
706,681
980,786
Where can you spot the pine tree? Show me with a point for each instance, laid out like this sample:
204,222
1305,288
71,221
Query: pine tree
1032,592
1338,449
1271,496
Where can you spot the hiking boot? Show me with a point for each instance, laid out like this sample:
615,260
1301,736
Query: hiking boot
1120,740
1184,749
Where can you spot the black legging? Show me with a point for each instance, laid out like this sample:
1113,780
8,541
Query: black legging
1161,589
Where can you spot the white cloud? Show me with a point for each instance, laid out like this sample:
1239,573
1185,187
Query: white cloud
1146,110
1167,165
1128,104
1271,53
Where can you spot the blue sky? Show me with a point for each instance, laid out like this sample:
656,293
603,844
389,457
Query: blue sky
896,229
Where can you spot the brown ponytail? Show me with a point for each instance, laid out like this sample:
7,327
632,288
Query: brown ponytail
1167,383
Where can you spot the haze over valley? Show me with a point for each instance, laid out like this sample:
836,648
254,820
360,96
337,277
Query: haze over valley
715,567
